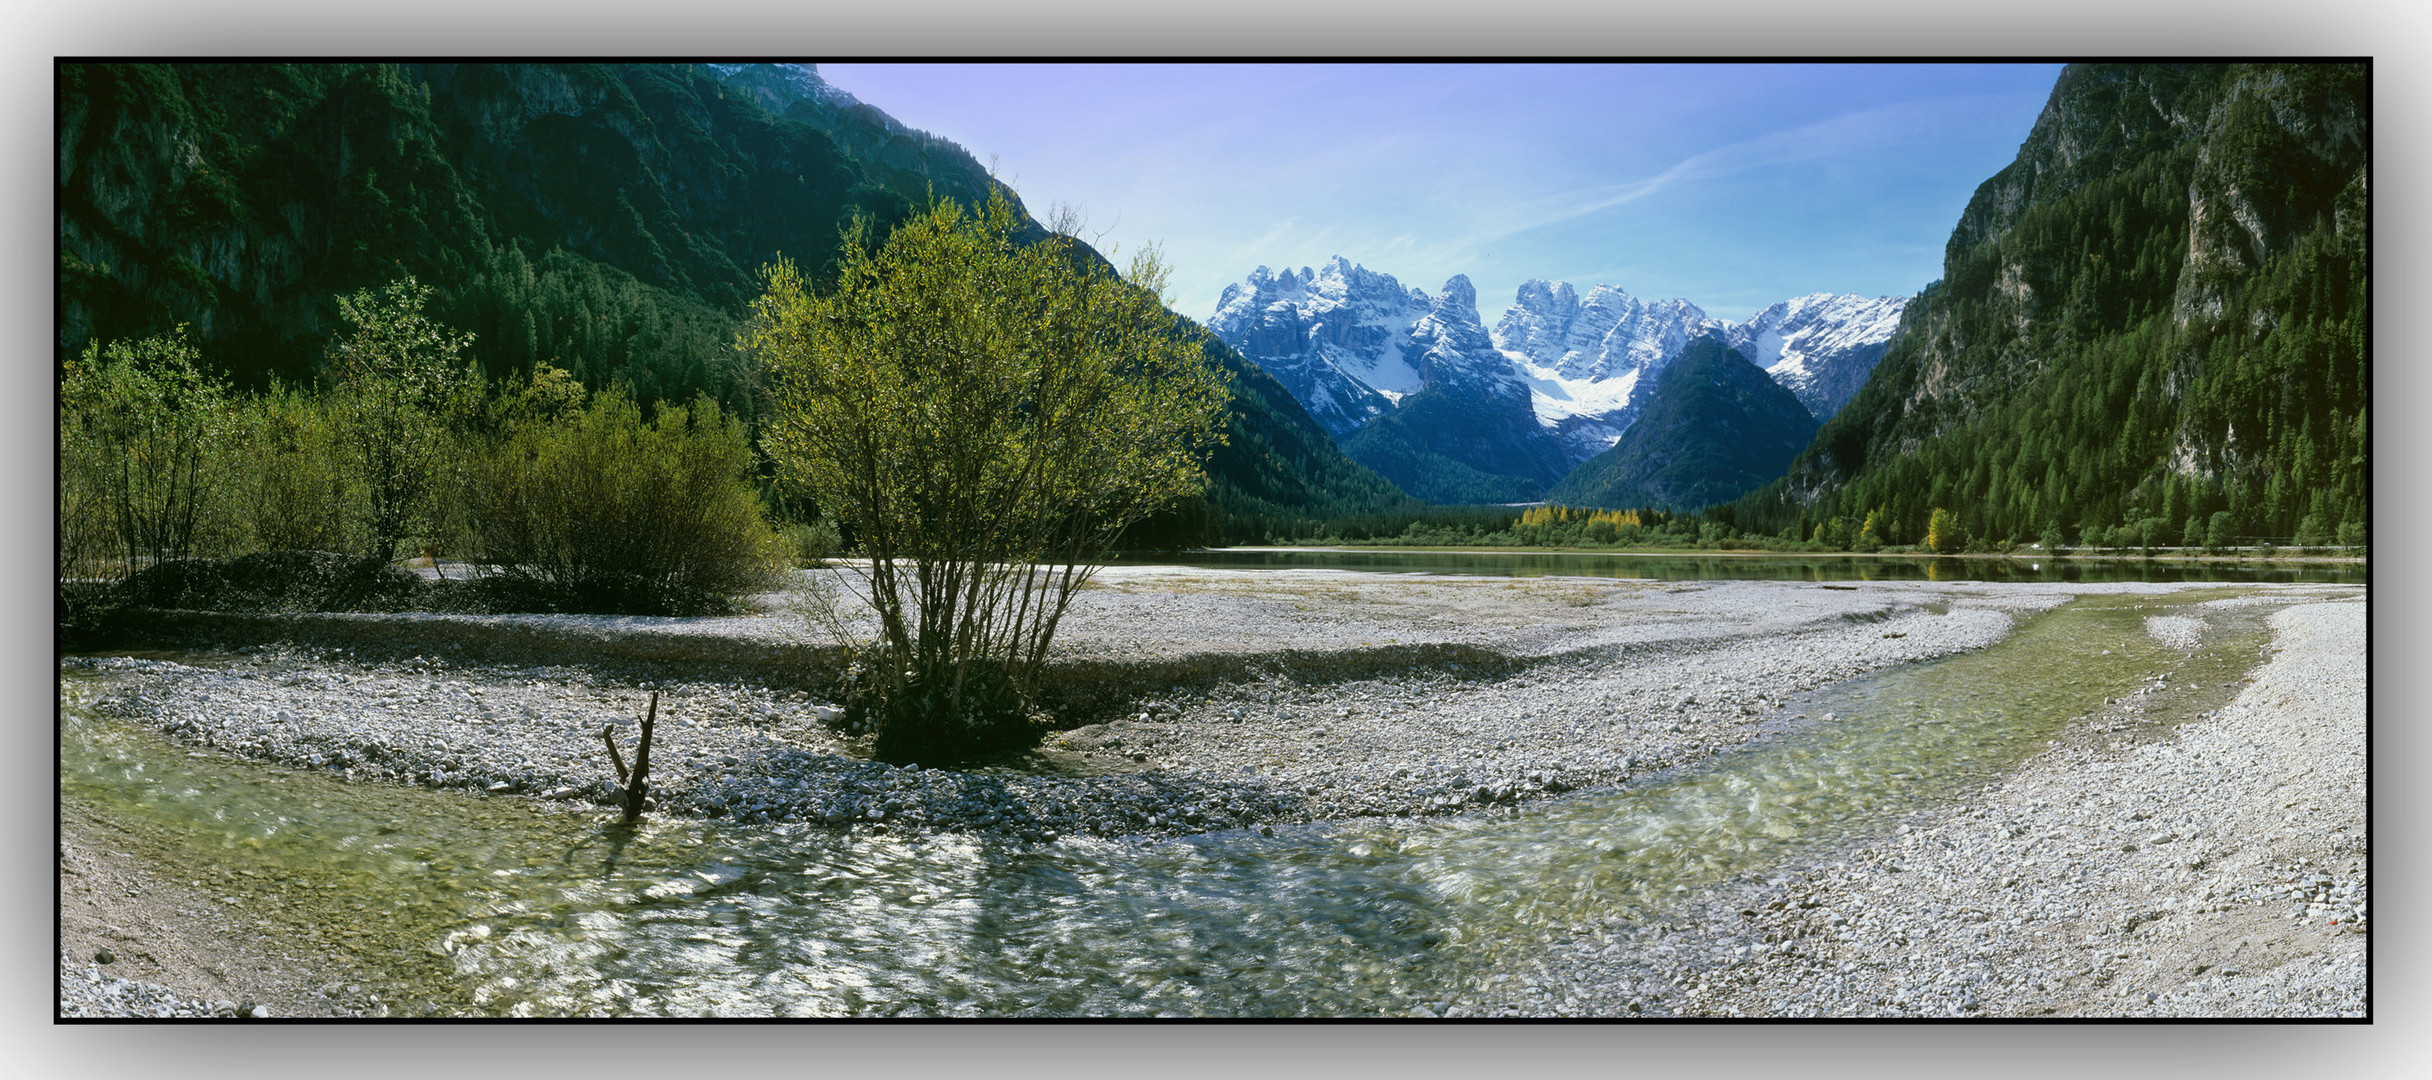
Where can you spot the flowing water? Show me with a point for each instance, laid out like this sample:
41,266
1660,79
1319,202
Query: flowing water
467,905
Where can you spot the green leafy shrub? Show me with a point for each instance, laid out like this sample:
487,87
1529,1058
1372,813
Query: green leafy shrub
403,401
603,511
987,415
291,491
812,543
143,433
87,545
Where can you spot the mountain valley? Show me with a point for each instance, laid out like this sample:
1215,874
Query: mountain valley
2156,315
1418,390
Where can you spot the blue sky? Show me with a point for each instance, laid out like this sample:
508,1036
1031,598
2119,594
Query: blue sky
1732,185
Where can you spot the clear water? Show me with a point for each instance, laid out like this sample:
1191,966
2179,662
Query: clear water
464,905
1707,566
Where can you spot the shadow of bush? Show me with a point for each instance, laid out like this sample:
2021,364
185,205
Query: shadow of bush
269,581
511,593
1078,692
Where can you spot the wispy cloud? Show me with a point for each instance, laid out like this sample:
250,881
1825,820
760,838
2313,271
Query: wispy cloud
1863,132
1459,186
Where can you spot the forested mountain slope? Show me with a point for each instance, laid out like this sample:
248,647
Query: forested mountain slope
610,219
1714,426
2157,313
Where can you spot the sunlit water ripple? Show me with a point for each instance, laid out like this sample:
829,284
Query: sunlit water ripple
494,906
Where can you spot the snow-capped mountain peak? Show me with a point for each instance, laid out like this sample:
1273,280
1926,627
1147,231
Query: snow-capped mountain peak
1333,335
1603,335
1451,344
1820,346
1351,343
1588,359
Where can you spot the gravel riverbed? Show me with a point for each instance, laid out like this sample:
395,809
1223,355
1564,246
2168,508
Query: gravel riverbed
2218,870
1284,697
1311,696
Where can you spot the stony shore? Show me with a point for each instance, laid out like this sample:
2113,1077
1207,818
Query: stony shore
1284,698
2218,870
1243,700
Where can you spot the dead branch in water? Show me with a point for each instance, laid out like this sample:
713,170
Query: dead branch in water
640,787
608,735
636,783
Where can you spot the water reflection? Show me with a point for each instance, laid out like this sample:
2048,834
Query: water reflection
1696,566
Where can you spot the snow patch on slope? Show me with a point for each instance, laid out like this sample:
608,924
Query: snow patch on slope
1351,343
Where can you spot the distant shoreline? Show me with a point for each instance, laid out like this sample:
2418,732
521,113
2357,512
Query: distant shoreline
1759,553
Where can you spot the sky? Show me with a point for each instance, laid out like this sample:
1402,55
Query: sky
1734,186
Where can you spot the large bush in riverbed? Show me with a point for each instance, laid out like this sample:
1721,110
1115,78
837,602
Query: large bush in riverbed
402,401
291,491
600,510
986,414
143,441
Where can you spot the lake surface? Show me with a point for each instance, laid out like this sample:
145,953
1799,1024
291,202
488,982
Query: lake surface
465,905
1693,566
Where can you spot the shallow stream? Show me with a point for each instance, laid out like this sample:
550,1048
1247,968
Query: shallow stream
485,906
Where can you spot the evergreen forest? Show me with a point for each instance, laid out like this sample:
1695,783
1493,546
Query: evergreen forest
604,221
2166,325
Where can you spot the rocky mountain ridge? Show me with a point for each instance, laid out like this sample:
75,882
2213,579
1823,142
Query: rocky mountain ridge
1470,431
1354,345
1713,426
1334,337
1820,347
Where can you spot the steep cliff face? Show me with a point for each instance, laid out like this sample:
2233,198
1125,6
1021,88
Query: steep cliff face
1333,336
2104,127
2243,160
235,200
1470,434
2101,119
2286,158
2157,311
